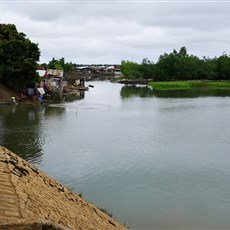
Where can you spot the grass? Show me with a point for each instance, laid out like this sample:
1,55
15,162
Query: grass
186,85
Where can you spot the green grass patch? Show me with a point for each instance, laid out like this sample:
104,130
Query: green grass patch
186,85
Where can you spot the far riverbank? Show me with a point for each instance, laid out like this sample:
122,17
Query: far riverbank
188,85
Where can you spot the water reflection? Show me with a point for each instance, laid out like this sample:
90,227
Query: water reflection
146,91
78,95
29,142
136,91
191,93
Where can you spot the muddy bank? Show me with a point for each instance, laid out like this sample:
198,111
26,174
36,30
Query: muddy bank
6,94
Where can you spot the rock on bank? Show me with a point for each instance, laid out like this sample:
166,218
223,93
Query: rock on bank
30,199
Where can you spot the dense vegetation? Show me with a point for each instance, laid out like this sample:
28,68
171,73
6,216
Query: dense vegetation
179,65
18,57
61,65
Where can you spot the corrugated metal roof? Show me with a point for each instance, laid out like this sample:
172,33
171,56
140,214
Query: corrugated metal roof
55,72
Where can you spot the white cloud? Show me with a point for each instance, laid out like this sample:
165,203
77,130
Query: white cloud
103,32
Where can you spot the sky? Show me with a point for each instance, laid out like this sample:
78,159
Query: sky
109,31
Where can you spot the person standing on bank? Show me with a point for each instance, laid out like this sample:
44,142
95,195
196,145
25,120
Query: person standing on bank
41,98
13,100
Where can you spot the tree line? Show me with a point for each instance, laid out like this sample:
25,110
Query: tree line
60,64
19,60
179,65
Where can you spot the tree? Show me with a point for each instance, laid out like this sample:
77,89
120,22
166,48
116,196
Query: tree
207,69
18,57
130,69
178,65
60,64
147,69
223,67
183,51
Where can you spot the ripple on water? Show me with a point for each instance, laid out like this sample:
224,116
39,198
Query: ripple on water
157,163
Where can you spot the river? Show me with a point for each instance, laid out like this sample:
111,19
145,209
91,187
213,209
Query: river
155,161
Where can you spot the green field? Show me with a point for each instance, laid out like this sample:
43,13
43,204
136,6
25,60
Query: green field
186,85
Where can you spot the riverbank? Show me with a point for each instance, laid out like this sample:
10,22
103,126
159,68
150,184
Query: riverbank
188,85
133,81
6,93
28,197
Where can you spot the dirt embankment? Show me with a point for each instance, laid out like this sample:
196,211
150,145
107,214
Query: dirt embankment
28,197
6,93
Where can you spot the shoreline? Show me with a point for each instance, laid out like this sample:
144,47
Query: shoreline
190,85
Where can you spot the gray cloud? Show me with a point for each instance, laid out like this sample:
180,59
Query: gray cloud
107,32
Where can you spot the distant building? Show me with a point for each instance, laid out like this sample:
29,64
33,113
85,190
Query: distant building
99,71
54,81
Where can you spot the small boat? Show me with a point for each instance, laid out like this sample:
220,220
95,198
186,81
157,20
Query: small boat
92,86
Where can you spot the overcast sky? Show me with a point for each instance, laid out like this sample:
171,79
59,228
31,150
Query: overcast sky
100,32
